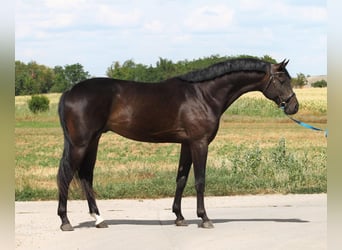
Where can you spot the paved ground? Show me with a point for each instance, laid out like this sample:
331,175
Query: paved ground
241,222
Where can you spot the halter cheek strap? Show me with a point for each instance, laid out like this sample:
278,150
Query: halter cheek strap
271,80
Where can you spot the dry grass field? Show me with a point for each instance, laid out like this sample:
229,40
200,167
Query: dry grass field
255,151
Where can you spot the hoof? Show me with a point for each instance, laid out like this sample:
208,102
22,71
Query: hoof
181,223
206,224
102,225
67,227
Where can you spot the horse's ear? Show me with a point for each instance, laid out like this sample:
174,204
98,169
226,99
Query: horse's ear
281,66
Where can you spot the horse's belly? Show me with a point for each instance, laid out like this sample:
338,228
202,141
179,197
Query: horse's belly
148,132
146,123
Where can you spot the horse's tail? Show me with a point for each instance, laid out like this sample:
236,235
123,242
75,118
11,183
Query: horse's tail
65,172
67,140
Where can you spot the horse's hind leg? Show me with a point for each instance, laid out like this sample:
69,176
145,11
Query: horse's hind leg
86,174
64,177
185,162
69,163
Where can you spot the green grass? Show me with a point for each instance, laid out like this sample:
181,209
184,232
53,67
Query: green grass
254,107
257,150
249,170
244,169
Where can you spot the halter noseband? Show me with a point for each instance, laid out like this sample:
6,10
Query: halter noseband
287,100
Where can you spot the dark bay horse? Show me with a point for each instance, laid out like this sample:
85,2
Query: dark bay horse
184,109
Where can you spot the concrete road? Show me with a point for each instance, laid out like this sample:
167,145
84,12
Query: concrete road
241,222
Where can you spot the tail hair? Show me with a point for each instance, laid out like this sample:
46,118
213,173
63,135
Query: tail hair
65,171
61,107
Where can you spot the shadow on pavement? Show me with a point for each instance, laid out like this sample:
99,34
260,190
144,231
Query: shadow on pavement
172,222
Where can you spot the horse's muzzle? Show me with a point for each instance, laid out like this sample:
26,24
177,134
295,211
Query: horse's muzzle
291,105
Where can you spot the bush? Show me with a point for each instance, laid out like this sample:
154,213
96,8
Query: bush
38,103
319,84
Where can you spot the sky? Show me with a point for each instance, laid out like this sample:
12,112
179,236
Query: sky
98,33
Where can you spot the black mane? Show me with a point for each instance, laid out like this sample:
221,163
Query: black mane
226,67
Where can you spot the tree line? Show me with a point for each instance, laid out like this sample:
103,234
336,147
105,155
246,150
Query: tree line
33,78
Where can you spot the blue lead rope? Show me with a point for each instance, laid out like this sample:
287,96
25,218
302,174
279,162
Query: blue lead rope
305,125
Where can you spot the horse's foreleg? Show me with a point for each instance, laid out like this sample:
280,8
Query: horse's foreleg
199,152
182,177
86,174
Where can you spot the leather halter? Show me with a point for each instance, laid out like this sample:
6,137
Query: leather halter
273,77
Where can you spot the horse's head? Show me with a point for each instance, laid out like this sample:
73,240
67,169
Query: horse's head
279,89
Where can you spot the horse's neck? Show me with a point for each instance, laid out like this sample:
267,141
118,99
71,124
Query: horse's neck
229,88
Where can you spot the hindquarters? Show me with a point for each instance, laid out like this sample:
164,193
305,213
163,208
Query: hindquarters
83,112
